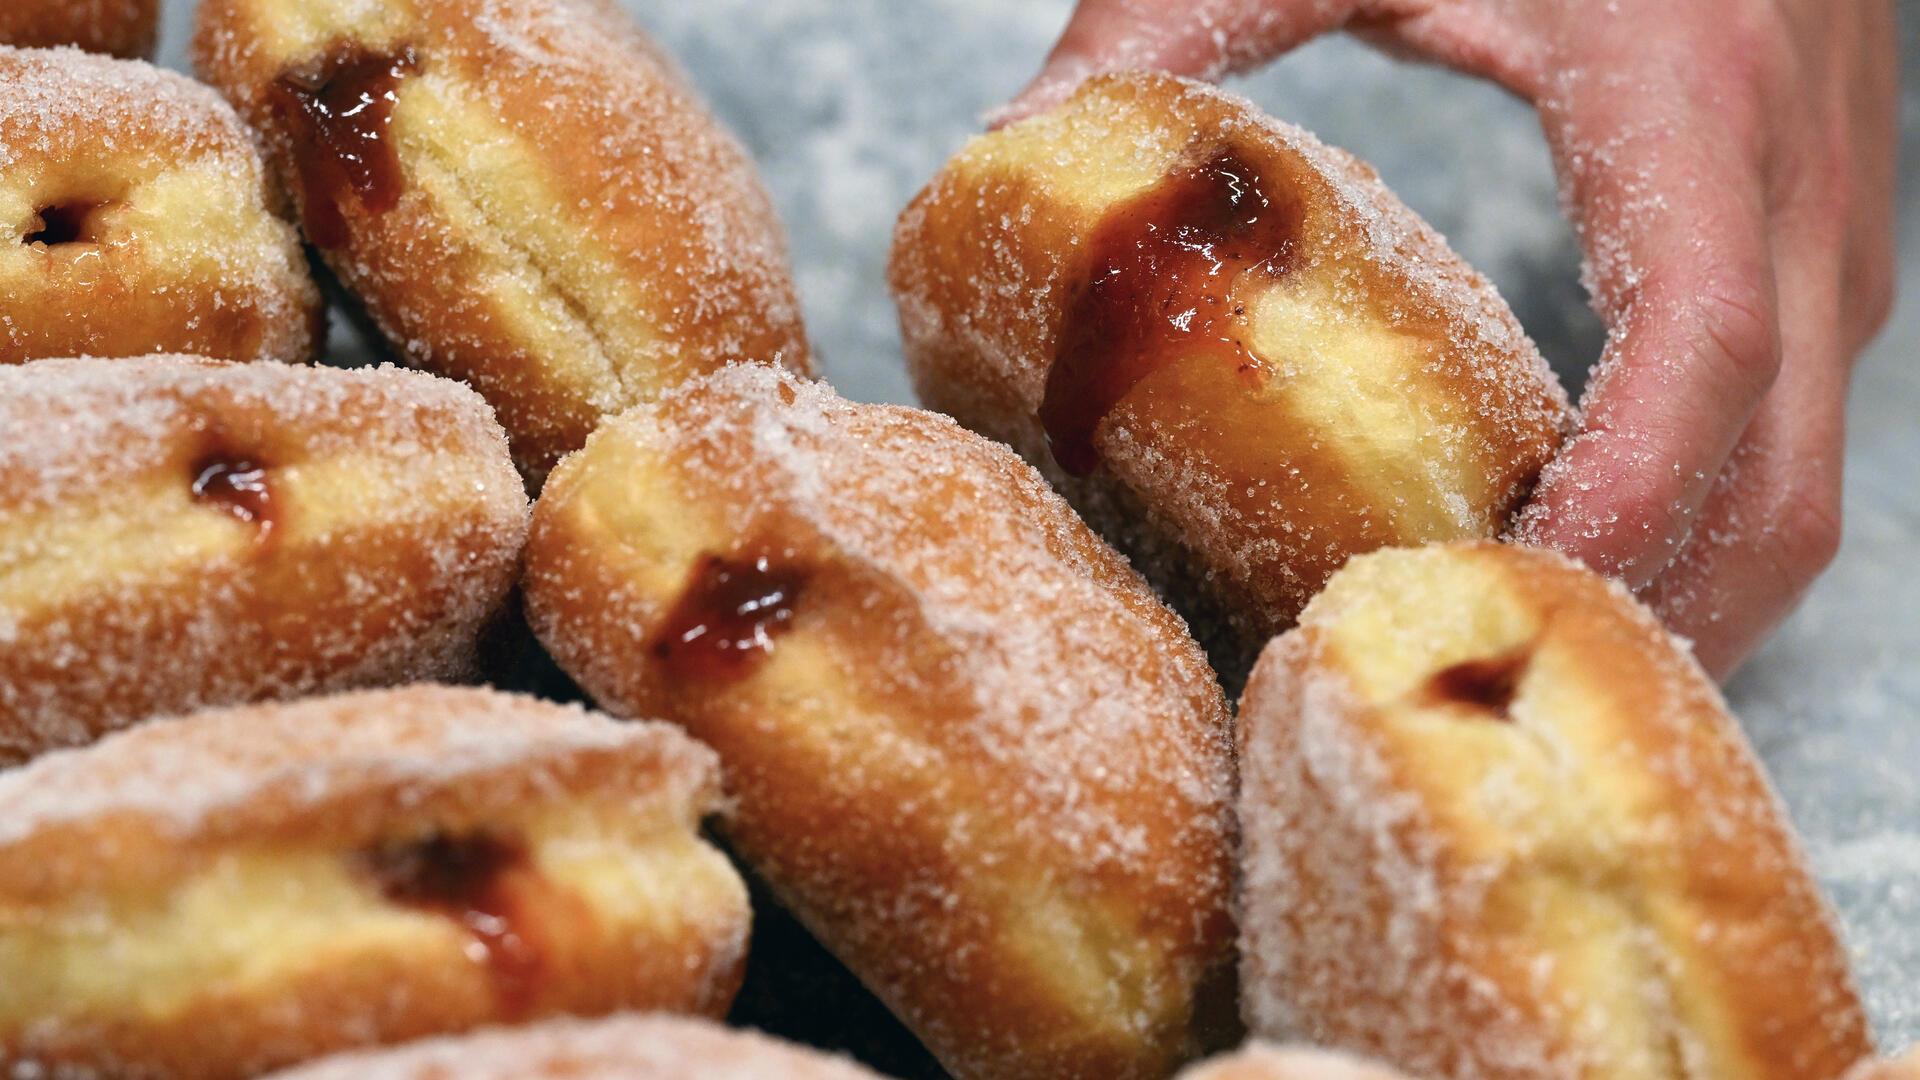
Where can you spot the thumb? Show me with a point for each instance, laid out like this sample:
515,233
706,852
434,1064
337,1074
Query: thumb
1204,39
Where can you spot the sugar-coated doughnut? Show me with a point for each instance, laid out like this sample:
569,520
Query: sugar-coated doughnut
1498,824
177,533
531,199
1236,352
969,748
1268,1061
627,1047
229,892
125,28
136,216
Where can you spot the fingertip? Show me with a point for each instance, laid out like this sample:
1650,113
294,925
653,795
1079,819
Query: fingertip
1049,89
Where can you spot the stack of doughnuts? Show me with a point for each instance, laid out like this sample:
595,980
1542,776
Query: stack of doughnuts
1497,823
968,747
216,895
1234,349
136,216
1478,818
524,194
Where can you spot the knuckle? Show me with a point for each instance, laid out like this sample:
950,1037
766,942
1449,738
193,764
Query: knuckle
1807,531
1738,327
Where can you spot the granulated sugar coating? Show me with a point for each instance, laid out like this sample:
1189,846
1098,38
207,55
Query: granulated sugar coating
136,217
1499,824
623,1048
974,754
213,775
557,219
176,532
1350,385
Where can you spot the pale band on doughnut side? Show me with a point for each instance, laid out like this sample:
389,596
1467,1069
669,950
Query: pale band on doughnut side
1498,824
220,894
569,229
969,748
1905,1067
177,533
1270,1061
136,216
123,28
651,1047
1259,361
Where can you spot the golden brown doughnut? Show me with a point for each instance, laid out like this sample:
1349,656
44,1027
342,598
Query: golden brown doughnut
221,894
177,533
136,217
969,748
534,202
628,1047
125,28
1267,1061
1228,344
1498,824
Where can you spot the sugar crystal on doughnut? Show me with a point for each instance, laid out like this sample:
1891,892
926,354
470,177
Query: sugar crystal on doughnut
177,532
220,894
136,216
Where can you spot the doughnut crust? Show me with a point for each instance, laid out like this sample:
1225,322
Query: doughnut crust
124,28
224,893
1907,1067
969,748
177,533
1498,824
1268,1061
136,217
1238,354
534,201
628,1047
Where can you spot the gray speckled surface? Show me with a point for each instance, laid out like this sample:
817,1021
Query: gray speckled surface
850,105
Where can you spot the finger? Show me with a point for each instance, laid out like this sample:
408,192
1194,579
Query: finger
1204,39
1666,192
1772,523
1874,144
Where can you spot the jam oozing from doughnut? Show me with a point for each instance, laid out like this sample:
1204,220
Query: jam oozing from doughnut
467,878
727,616
238,486
1487,685
1166,269
65,223
340,111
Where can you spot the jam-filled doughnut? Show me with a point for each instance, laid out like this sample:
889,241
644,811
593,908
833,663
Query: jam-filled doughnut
525,194
1497,823
1266,1061
627,1047
177,533
969,748
125,28
136,216
1239,354
235,890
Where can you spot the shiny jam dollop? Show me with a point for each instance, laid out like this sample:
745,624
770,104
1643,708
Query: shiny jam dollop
340,112
1487,685
467,878
728,613
237,486
1166,270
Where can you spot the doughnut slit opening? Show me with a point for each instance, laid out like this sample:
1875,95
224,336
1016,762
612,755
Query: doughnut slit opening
72,222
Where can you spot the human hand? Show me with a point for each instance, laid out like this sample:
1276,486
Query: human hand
1729,165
